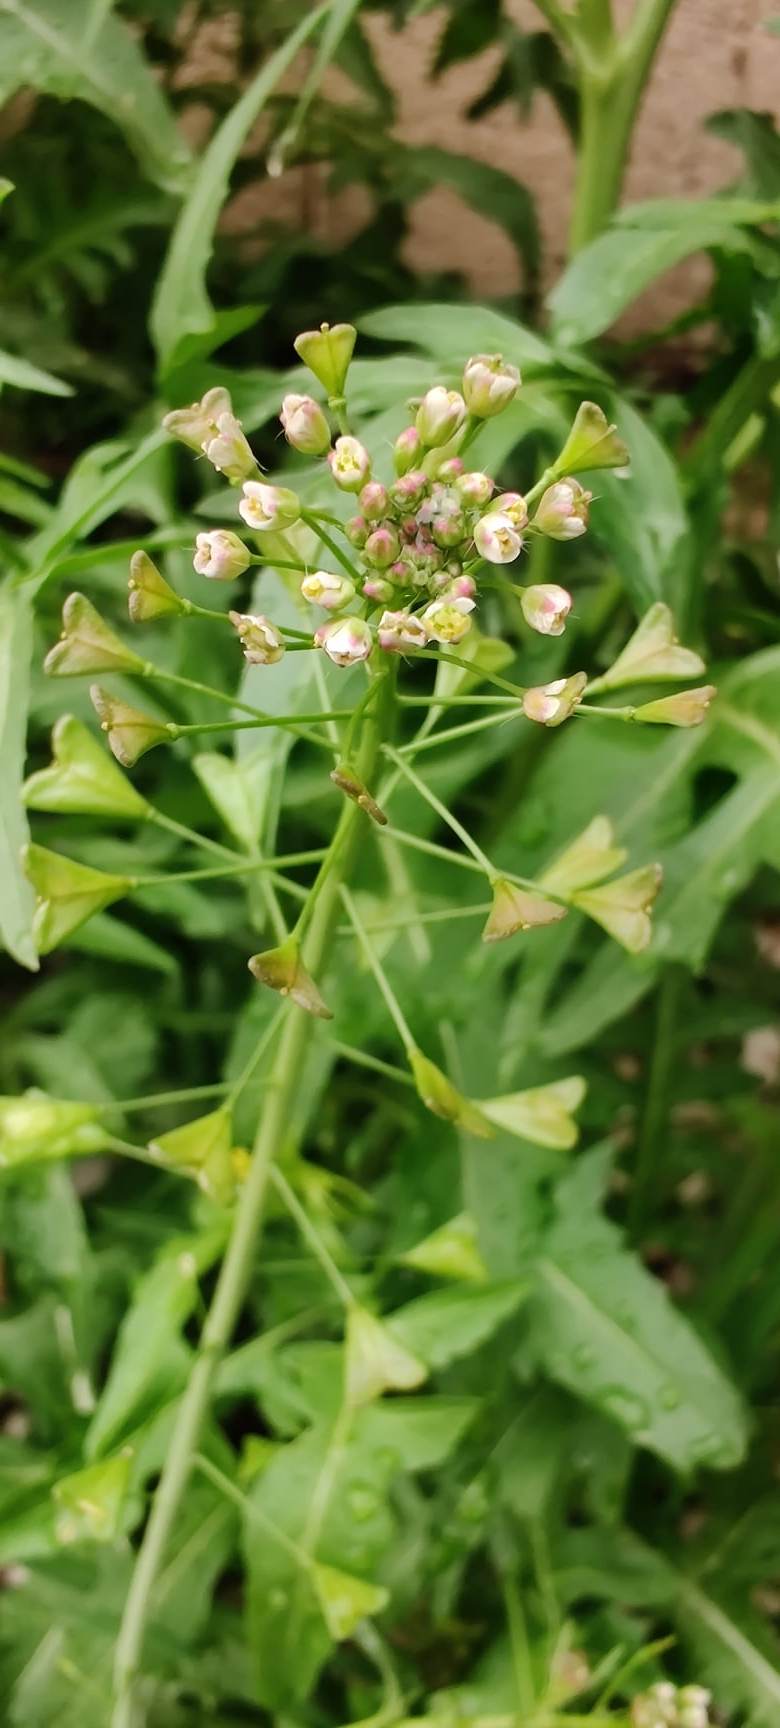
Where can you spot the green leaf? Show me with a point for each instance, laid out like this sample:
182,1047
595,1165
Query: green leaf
345,1600
451,333
23,375
181,307
736,1650
607,1330
452,1251
238,790
17,901
643,242
448,1324
49,45
149,1361
89,1504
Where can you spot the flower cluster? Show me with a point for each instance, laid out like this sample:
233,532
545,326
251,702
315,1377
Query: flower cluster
669,1706
422,534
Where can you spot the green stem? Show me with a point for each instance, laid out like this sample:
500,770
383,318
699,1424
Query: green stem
191,730
157,675
612,78
314,521
442,810
385,987
652,1134
273,1131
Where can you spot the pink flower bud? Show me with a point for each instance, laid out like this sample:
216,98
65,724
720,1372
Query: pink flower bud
378,588
451,469
268,507
497,539
513,505
447,620
382,547
356,530
221,555
489,384
261,641
407,449
350,464
449,528
440,415
459,588
546,608
409,491
374,501
325,588
562,513
551,704
227,450
475,488
345,640
399,632
305,426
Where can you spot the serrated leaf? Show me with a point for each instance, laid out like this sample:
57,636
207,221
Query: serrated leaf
607,1330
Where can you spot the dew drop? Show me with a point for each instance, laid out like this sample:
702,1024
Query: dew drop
670,1397
583,1356
362,1503
631,1411
277,1600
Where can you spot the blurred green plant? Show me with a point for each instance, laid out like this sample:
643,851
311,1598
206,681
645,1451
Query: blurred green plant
577,1461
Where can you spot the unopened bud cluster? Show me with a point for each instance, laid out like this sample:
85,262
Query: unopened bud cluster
668,1706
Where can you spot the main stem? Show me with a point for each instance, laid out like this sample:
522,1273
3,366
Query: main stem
273,1130
612,78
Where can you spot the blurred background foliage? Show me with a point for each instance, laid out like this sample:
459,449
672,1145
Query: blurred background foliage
530,1480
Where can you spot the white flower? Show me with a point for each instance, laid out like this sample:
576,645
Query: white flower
268,507
398,632
221,555
497,539
261,641
346,641
325,588
448,620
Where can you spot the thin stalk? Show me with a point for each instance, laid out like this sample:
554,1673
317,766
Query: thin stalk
652,1133
442,810
155,1100
314,521
363,1059
312,1237
515,690
442,916
465,731
155,674
191,729
457,702
247,1507
385,987
274,1130
431,847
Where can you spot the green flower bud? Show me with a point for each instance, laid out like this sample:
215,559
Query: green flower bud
197,425
130,733
282,969
68,894
489,384
374,501
407,450
592,443
150,595
516,909
327,353
88,644
382,547
81,779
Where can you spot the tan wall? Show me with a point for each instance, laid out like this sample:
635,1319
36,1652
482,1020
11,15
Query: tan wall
716,54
